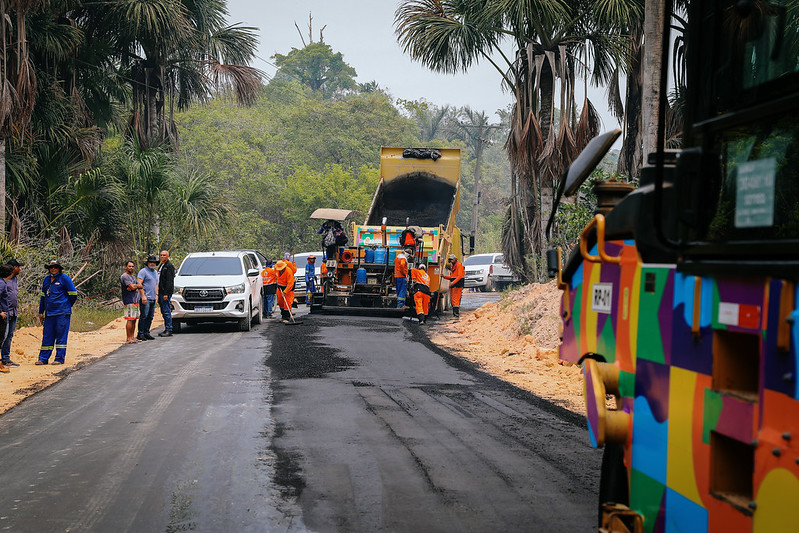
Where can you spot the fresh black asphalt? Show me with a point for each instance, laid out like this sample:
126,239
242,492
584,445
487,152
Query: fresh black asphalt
336,424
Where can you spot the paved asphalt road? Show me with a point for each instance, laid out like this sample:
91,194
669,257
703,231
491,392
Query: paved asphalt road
336,424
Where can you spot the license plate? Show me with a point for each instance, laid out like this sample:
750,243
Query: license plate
204,309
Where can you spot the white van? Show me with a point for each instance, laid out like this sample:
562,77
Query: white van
218,287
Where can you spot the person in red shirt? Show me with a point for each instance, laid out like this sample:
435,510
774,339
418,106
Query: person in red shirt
456,277
421,287
401,278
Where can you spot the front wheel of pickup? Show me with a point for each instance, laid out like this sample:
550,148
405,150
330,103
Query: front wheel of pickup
245,324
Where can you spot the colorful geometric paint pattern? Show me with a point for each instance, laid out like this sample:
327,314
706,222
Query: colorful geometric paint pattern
714,440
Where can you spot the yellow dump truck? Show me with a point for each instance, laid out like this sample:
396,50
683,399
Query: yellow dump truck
419,188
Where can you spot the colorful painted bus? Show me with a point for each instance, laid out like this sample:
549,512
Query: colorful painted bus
681,302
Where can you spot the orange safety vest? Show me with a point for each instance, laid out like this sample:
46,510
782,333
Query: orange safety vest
292,265
456,275
269,275
400,267
420,277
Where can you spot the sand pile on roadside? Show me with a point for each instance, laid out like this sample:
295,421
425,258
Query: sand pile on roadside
516,339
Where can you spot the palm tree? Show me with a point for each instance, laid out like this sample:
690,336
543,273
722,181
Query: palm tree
475,129
555,42
174,53
17,81
197,208
146,173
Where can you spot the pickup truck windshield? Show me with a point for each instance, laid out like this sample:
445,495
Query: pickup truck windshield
211,266
478,260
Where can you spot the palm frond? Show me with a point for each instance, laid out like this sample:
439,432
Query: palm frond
587,127
444,36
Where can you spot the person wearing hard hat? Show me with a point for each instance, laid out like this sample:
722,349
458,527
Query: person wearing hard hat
456,277
401,278
421,288
290,264
285,289
55,310
310,279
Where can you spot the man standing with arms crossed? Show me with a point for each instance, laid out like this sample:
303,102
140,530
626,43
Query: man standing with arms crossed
130,299
166,286
55,310
148,279
13,301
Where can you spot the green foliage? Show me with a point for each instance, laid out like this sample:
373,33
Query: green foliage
287,156
317,67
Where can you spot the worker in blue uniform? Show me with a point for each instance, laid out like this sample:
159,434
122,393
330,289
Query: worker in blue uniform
55,309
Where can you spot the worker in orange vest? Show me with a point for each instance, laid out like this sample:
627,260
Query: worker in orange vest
293,266
456,277
285,289
289,263
269,289
421,287
401,278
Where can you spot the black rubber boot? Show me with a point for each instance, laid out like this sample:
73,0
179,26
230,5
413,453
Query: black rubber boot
284,314
456,312
421,317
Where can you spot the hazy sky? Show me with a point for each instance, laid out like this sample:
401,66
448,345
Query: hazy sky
363,31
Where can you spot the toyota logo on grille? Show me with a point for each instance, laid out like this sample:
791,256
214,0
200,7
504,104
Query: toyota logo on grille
203,293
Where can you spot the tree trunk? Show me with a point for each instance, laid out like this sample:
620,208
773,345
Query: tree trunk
151,126
631,157
3,186
546,186
476,192
653,33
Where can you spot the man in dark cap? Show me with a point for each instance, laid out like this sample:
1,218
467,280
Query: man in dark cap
148,279
55,310
13,301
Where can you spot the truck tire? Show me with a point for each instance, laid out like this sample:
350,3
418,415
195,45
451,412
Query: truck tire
613,486
257,319
176,326
245,324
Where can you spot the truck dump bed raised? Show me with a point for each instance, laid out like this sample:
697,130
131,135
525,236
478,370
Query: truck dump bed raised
421,191
418,187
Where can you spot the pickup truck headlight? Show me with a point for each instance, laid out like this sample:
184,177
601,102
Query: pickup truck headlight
178,290
235,289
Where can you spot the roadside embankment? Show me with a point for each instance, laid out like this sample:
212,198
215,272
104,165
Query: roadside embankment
516,339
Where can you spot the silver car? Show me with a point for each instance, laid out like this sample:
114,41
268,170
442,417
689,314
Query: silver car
488,272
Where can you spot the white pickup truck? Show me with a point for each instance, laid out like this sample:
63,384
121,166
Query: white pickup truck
488,272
